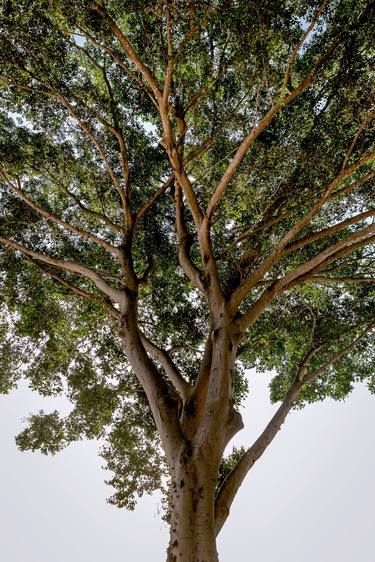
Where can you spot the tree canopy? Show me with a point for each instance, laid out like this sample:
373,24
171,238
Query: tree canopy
171,169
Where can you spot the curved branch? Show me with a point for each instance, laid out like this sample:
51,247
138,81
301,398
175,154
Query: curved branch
172,372
128,49
55,219
74,267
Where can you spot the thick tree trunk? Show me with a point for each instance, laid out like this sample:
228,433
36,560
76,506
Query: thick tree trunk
192,524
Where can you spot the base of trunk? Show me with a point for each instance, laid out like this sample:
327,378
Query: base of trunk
192,521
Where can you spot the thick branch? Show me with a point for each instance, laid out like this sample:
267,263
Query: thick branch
191,271
163,404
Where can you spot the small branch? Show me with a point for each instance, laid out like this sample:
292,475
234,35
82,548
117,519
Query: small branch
325,279
67,265
302,41
120,64
171,63
350,187
78,291
292,246
55,219
170,369
154,197
342,251
253,135
86,210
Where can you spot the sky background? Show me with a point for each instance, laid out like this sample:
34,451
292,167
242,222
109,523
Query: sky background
310,498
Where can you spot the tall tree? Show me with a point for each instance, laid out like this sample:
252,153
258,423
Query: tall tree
185,193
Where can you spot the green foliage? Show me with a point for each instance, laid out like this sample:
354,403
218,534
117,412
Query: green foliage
228,463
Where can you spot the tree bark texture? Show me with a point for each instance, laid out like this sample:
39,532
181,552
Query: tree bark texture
192,513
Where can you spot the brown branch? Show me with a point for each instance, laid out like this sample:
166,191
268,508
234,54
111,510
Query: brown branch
243,290
148,204
332,257
326,279
119,63
255,132
90,135
163,403
192,272
305,272
128,49
55,219
355,138
292,246
171,62
68,265
350,187
78,290
172,372
177,163
251,229
86,210
298,46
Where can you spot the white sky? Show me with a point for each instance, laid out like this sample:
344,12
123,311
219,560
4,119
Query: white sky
311,498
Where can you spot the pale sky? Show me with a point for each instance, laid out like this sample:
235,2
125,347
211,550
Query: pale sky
311,498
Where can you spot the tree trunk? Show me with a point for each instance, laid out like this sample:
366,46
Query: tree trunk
192,523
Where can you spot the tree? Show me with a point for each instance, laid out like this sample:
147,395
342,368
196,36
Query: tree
185,193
